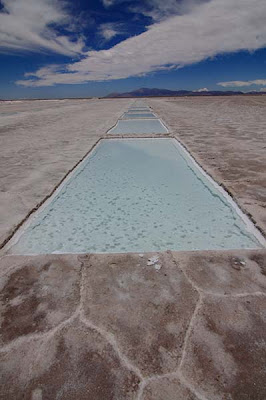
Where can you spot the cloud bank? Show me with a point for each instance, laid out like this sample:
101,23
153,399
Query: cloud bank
32,25
259,82
208,29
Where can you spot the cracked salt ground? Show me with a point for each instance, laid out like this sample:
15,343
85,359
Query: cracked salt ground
195,332
126,198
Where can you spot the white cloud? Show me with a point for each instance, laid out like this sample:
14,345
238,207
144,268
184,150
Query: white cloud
259,82
108,3
208,29
109,30
201,90
30,25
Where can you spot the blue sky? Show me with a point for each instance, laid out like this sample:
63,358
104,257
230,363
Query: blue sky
67,48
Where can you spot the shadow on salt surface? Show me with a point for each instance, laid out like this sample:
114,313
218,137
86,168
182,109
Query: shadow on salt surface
143,126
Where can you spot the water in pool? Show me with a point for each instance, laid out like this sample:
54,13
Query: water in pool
146,109
138,126
130,115
136,195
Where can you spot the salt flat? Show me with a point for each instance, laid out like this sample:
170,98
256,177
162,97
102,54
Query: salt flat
118,327
40,143
227,135
45,139
153,326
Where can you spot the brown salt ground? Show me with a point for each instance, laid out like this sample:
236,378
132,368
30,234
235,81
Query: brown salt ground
189,325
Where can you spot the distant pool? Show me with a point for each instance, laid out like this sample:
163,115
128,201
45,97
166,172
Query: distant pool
142,126
136,195
143,109
130,115
7,114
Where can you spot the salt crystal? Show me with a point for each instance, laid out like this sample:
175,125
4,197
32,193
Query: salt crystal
153,260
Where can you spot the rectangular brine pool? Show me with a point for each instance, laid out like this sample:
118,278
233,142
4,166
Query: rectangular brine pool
136,195
143,109
130,115
138,127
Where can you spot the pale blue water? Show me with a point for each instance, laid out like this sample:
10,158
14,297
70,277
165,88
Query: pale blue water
143,109
128,115
145,126
134,196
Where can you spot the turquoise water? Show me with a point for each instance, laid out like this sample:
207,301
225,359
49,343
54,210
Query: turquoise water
136,195
135,126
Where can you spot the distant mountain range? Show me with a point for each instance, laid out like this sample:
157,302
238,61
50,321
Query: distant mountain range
146,92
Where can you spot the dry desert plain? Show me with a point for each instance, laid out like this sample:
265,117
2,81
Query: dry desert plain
108,326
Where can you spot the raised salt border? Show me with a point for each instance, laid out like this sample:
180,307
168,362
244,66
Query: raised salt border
138,126
137,195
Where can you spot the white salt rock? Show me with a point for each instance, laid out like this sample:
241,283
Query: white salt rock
153,260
